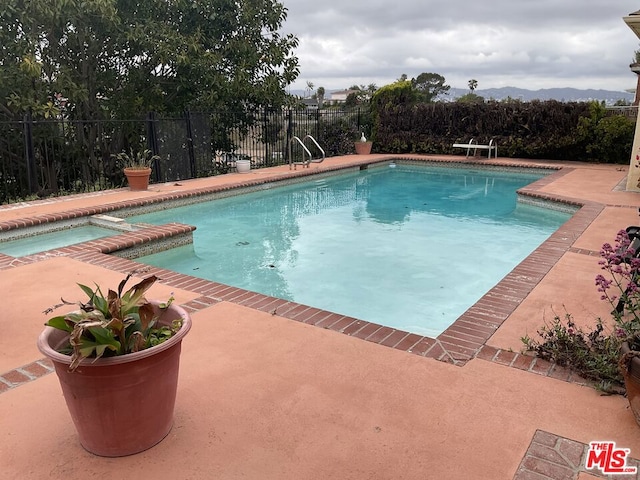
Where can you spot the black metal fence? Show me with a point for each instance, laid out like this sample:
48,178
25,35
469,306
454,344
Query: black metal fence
629,111
46,157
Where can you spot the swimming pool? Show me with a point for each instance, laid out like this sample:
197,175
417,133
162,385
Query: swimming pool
407,247
44,241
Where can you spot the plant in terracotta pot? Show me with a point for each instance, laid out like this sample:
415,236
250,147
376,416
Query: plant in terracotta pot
137,167
363,147
117,360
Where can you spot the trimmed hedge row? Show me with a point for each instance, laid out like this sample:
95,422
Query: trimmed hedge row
578,131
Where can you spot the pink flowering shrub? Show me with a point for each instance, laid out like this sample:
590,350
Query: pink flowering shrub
620,290
594,353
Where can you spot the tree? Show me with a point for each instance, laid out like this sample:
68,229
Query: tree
309,90
40,54
109,58
320,92
470,98
351,100
428,86
371,89
473,84
606,138
401,92
360,94
94,60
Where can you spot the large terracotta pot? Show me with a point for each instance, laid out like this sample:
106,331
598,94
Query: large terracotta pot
121,405
630,367
363,148
138,178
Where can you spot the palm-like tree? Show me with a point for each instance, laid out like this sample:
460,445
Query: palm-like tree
309,89
320,96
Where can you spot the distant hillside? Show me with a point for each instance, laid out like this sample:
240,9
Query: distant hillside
560,94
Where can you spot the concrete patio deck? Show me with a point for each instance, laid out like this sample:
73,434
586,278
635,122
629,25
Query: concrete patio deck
305,394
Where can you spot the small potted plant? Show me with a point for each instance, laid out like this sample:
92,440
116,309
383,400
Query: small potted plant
137,167
117,360
363,147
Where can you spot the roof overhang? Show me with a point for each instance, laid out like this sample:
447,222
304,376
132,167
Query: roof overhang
633,21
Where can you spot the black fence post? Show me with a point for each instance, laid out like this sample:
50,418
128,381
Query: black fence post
32,179
289,135
152,143
265,137
190,150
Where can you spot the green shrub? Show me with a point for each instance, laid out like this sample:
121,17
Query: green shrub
593,355
606,139
543,130
337,138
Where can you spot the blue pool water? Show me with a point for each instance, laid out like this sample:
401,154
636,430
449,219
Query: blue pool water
47,241
408,247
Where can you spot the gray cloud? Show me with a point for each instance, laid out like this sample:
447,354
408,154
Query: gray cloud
523,43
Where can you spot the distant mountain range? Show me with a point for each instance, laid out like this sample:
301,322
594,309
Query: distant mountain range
561,94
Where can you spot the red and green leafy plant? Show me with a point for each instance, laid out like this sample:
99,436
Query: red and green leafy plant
119,323
136,160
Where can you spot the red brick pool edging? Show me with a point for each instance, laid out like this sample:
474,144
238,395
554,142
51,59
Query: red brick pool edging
463,340
548,456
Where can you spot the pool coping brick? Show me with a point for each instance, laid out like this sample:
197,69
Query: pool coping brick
459,343
464,340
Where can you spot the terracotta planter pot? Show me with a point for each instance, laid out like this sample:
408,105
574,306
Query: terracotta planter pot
630,367
138,178
363,148
121,405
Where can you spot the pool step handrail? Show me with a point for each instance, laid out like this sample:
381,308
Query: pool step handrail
306,150
304,162
313,140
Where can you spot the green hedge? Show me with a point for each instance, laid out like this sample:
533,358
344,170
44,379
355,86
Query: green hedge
578,131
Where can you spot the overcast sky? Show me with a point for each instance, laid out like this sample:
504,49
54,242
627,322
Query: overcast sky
529,44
